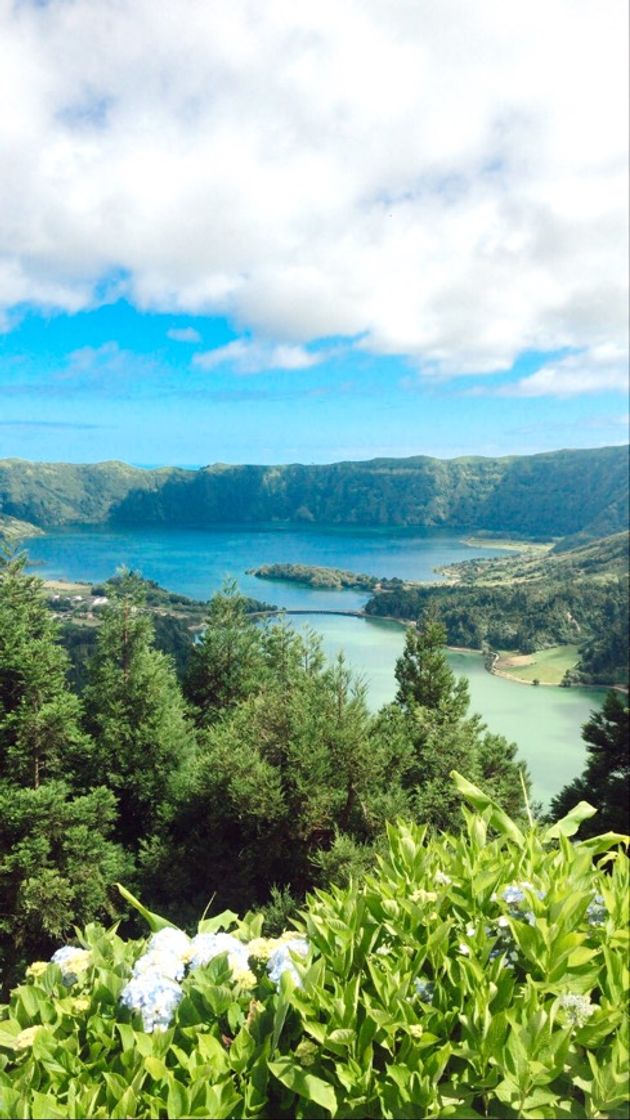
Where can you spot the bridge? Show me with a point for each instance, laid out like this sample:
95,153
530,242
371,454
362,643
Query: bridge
303,610
341,614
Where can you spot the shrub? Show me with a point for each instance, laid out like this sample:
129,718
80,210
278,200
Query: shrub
482,975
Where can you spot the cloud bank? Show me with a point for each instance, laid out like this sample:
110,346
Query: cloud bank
446,180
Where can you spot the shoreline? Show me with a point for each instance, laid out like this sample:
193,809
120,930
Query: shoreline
63,584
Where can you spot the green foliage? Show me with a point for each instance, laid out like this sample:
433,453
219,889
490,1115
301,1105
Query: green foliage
277,778
606,777
58,864
40,736
483,975
434,704
311,575
135,714
57,856
553,494
226,664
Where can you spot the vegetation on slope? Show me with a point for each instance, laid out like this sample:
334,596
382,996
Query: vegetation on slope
482,975
549,495
530,603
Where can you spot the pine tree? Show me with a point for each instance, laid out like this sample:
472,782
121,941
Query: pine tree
425,678
225,666
40,733
58,862
135,713
605,781
444,738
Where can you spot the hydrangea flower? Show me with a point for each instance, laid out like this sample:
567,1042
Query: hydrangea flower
154,997
204,947
425,990
281,961
577,1009
162,962
171,940
72,962
513,895
596,911
261,948
37,968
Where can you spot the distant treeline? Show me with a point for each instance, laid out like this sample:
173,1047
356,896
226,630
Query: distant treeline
556,494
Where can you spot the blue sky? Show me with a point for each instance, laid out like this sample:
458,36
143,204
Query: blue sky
327,236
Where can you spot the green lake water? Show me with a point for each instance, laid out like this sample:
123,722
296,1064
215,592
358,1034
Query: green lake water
544,722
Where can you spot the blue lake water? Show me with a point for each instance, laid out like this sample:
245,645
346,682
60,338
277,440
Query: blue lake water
545,722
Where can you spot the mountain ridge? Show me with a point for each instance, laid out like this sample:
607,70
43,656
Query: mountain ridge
561,493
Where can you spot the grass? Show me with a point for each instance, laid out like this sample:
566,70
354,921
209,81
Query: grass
546,665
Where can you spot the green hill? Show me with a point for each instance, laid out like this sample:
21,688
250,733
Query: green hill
527,603
556,494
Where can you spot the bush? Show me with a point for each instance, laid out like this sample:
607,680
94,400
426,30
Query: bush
480,975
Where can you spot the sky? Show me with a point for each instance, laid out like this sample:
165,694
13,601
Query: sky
311,231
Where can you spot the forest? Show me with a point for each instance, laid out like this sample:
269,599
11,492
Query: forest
581,494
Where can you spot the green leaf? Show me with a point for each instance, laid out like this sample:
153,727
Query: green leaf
154,921
304,1084
569,824
220,921
495,815
44,1107
156,1067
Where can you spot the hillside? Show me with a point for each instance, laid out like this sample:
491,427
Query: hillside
529,603
555,494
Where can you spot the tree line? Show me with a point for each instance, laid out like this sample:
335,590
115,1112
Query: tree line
260,776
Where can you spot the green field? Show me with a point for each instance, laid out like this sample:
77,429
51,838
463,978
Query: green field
546,665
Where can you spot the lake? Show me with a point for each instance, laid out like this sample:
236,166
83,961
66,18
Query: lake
545,722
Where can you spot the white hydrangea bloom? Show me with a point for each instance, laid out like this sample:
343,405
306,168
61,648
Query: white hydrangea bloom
171,940
205,947
161,962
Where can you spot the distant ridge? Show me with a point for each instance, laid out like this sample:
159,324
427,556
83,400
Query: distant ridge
581,493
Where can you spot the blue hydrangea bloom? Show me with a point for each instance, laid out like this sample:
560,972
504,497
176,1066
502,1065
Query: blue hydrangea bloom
204,947
425,990
596,911
162,963
280,960
154,997
513,895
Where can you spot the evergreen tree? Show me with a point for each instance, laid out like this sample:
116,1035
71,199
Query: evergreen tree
40,734
425,678
135,713
434,704
605,781
297,768
57,859
225,665
58,867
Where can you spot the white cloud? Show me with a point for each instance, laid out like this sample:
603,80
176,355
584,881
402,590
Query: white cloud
256,357
447,180
595,370
184,334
